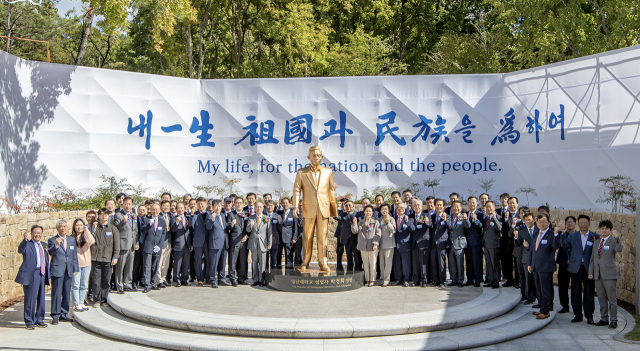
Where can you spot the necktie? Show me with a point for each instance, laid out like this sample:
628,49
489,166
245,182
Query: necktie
398,224
250,211
64,243
221,222
539,239
488,219
531,232
600,247
42,264
437,221
155,224
259,220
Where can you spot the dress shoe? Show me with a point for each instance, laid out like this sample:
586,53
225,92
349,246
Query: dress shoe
264,284
506,285
613,325
542,316
432,284
517,286
536,313
41,325
146,290
223,282
528,302
424,285
161,286
104,304
191,280
30,327
452,284
96,305
120,292
564,310
590,321
395,283
66,319
476,285
178,284
200,284
601,323
384,285
576,319
441,286
155,287
495,286
214,285
128,289
536,306
461,285
412,284
234,283
469,282
255,284
242,282
405,284
523,299
488,285
55,321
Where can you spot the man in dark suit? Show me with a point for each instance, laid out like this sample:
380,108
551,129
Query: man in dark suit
33,275
199,245
407,196
64,265
543,263
242,260
289,231
136,276
227,209
235,235
439,244
152,233
216,239
506,241
491,231
123,220
344,237
338,234
420,243
518,225
273,258
473,252
259,227
523,239
181,240
458,224
297,246
402,251
579,245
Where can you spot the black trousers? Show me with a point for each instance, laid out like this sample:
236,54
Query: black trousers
516,270
282,250
234,260
582,292
297,252
136,276
340,248
530,291
564,277
198,260
354,260
272,258
168,278
506,262
222,265
402,265
544,285
474,264
492,260
522,279
101,273
192,266
421,259
214,258
288,255
438,265
416,264
243,263
181,265
150,262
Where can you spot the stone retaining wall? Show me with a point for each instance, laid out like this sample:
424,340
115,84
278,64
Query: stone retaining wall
12,227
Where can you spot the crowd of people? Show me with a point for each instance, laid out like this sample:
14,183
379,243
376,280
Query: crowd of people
408,242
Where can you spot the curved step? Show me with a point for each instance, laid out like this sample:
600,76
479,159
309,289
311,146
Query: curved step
490,304
516,323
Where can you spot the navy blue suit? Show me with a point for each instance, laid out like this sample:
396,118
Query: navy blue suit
543,264
289,231
439,245
420,247
181,239
199,243
525,235
32,281
473,251
402,252
217,241
63,264
582,288
274,257
150,238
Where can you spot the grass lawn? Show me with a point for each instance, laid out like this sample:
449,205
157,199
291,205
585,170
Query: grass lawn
635,333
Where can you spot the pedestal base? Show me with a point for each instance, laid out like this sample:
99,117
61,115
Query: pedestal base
313,280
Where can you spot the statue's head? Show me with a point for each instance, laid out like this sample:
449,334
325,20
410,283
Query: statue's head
315,155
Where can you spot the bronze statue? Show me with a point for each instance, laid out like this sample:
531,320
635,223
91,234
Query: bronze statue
319,203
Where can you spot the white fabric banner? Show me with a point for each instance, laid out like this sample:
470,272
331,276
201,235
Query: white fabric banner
558,129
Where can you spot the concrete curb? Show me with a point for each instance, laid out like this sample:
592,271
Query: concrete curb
630,324
490,304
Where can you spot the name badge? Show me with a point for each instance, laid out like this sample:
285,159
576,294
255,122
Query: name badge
589,243
441,223
404,226
70,247
419,226
606,247
275,221
108,234
159,228
371,229
290,220
543,242
245,218
459,223
491,224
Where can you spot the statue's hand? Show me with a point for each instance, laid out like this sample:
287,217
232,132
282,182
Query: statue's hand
295,212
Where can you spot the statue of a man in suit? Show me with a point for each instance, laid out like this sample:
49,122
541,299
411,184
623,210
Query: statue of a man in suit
319,203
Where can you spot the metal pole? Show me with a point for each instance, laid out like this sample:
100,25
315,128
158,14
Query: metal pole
33,40
637,256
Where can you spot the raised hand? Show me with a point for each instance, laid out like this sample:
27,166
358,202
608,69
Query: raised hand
515,234
58,241
464,216
178,219
27,235
615,233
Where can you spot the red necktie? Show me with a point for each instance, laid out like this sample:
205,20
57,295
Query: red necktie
250,211
600,247
398,224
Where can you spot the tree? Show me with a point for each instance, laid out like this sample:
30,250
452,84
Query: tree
433,184
486,184
206,188
616,188
113,14
229,182
527,191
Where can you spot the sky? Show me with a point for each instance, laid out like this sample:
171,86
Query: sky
66,5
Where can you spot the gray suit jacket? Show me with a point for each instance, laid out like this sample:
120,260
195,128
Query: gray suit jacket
367,238
260,238
457,237
604,266
128,231
387,237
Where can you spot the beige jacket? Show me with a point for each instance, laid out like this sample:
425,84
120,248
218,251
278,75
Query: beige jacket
84,251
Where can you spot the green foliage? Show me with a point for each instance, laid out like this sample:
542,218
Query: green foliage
616,188
433,184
